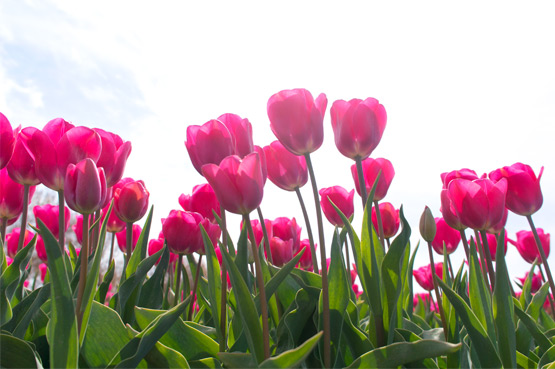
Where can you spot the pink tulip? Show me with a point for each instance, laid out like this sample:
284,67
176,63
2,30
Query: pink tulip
285,170
287,229
78,228
113,156
464,173
11,197
426,299
182,232
305,262
43,268
238,184
263,163
85,187
12,240
156,245
297,120
526,245
371,168
121,237
390,219
492,244
115,224
357,126
202,200
258,232
449,213
423,275
209,144
342,199
480,203
21,167
7,141
241,130
41,249
445,236
499,226
524,195
131,201
49,214
282,250
537,281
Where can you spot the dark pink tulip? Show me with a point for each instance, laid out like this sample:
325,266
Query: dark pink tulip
524,195
115,224
426,299
56,128
113,156
212,230
341,198
371,168
537,281
202,200
156,245
49,215
282,250
498,227
258,232
297,119
12,239
526,245
287,229
7,141
285,170
85,187
78,228
43,268
305,262
21,167
263,163
11,196
182,232
77,144
41,249
209,144
449,213
238,184
464,173
358,126
121,237
423,275
480,203
131,201
445,235
241,130
492,244
390,219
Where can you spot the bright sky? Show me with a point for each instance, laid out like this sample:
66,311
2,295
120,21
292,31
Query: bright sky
464,85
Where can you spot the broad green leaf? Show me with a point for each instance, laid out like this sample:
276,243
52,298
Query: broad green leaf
523,335
525,361
26,310
152,293
17,353
356,340
139,253
395,354
105,285
237,360
242,258
540,338
208,363
293,322
547,359
292,358
214,282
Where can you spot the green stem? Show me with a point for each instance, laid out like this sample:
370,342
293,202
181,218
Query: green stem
380,224
438,296
178,282
309,231
194,290
265,233
23,228
128,243
112,248
485,246
262,293
83,274
223,295
61,220
482,259
361,182
324,271
450,267
465,245
3,226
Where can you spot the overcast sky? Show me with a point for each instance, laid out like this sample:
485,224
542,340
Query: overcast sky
465,85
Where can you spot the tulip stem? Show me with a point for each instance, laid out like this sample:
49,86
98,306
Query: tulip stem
542,256
380,224
262,293
179,265
61,220
348,259
223,288
128,243
308,230
436,290
112,249
194,290
325,291
23,228
488,258
361,182
450,267
265,233
95,232
84,254
465,244
482,259
3,226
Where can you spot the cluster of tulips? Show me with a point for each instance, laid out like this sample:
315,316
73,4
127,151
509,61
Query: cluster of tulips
85,167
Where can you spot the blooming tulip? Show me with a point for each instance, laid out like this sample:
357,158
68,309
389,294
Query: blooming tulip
156,245
524,195
85,187
423,275
357,126
11,196
305,262
209,144
449,213
342,199
371,168
7,141
464,173
241,130
238,184
445,236
287,229
426,298
282,250
390,219
41,249
297,119
536,282
131,201
121,237
78,228
182,232
258,232
526,245
21,167
113,156
285,170
492,244
12,240
202,200
48,214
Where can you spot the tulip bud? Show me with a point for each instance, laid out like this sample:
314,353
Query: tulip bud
427,225
85,187
7,141
342,199
121,237
131,201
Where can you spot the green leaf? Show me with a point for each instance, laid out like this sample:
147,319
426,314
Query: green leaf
238,360
540,338
208,363
548,358
395,354
293,322
26,310
17,353
292,358
152,292
214,282
139,253
105,285
525,361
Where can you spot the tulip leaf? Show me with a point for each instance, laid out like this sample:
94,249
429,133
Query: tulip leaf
139,253
241,260
237,360
214,282
292,358
401,353
17,353
26,310
540,338
13,273
547,359
105,285
152,293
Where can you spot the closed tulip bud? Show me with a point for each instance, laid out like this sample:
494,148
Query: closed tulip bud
258,232
113,156
423,275
358,126
445,236
49,215
156,245
209,144
526,245
202,200
427,225
371,168
524,195
7,141
282,250
85,187
78,228
43,268
305,262
241,130
342,199
297,120
41,249
121,237
287,229
285,170
390,219
131,201
21,167
182,232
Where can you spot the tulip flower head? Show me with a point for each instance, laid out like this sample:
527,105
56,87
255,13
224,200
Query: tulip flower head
7,141
536,282
21,167
492,244
156,245
202,200
342,199
526,245
49,214
287,229
423,275
12,240
182,232
114,223
131,201
121,237
85,187
11,196
464,173
282,250
285,170
445,236
371,168
209,144
241,131
305,262
258,232
390,219
113,156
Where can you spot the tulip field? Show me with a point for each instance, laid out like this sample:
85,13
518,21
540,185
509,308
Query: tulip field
268,298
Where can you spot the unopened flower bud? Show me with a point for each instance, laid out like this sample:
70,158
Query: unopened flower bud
427,225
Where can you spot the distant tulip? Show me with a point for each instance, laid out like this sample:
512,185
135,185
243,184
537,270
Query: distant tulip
21,167
258,232
297,119
212,230
115,224
282,250
285,170
536,282
209,144
156,245
182,232
428,227
113,156
464,173
241,130
342,199
43,268
423,275
426,299
11,196
358,126
12,240
41,249
7,141
371,168
445,235
492,244
305,262
287,229
390,219
85,187
524,195
499,226
49,214
121,237
131,201
78,228
202,200
526,245
238,184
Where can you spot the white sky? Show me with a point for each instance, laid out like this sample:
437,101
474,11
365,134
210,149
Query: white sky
464,85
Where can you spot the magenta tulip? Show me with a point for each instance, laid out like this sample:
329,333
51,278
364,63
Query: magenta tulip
282,250
43,268
297,119
182,232
209,144
285,170
492,244
49,214
358,126
287,229
524,195
445,236
305,262
371,168
536,281
41,249
78,228
238,184
464,173
121,237
342,199
7,141
114,223
449,213
85,187
423,275
241,130
390,219
526,245
21,167
202,200
113,156
156,245
131,201
258,232
11,196
12,240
